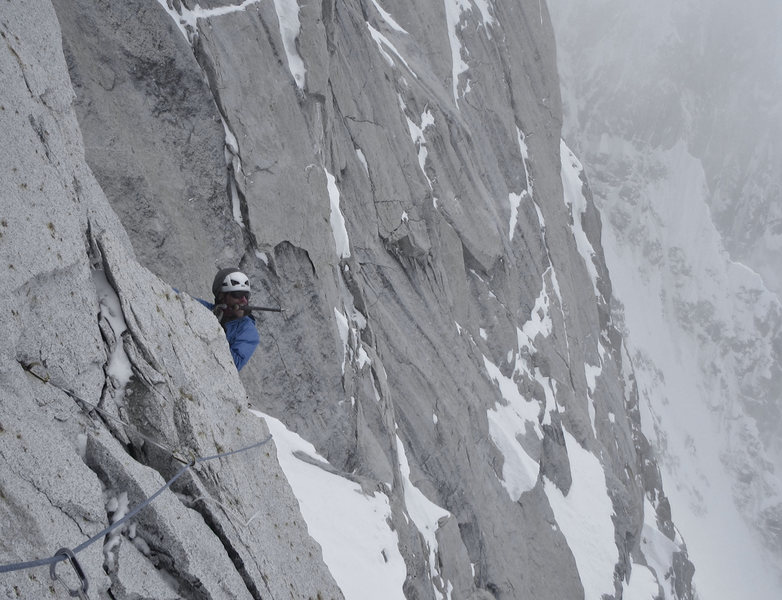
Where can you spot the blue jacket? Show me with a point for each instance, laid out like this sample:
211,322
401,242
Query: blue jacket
242,335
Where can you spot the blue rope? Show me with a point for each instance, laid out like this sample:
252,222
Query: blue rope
59,557
231,452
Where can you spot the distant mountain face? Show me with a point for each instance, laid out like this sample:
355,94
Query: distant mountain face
453,411
707,71
731,67
674,110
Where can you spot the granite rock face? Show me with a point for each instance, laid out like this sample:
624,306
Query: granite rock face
75,300
398,184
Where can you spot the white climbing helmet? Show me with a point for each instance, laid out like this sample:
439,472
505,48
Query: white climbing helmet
230,280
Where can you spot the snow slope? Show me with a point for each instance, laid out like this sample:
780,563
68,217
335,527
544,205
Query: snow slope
675,283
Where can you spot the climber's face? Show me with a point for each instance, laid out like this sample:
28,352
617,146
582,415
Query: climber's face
235,303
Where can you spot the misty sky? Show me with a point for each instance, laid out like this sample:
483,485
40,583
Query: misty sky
675,109
706,71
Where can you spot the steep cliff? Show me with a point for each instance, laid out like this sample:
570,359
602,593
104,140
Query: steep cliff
394,178
678,127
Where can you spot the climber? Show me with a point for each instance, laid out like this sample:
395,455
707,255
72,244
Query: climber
231,289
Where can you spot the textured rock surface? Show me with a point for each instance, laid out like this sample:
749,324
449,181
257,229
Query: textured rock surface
60,238
149,119
456,279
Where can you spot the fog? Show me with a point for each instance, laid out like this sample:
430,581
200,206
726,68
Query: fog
705,71
674,108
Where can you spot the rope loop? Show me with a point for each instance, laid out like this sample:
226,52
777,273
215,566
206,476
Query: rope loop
67,553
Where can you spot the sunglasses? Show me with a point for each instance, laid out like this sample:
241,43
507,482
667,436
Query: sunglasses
238,295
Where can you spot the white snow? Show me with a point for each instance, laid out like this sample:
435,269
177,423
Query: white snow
526,409
584,517
359,548
526,159
388,18
81,445
550,389
359,319
453,17
118,506
290,26
233,161
362,358
417,135
231,145
189,17
344,329
540,322
337,219
551,272
119,368
424,513
592,372
363,160
575,200
455,10
351,321
486,16
515,201
642,584
236,207
657,548
382,41
518,417
689,393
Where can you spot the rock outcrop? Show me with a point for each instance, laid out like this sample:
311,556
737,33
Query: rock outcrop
398,184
